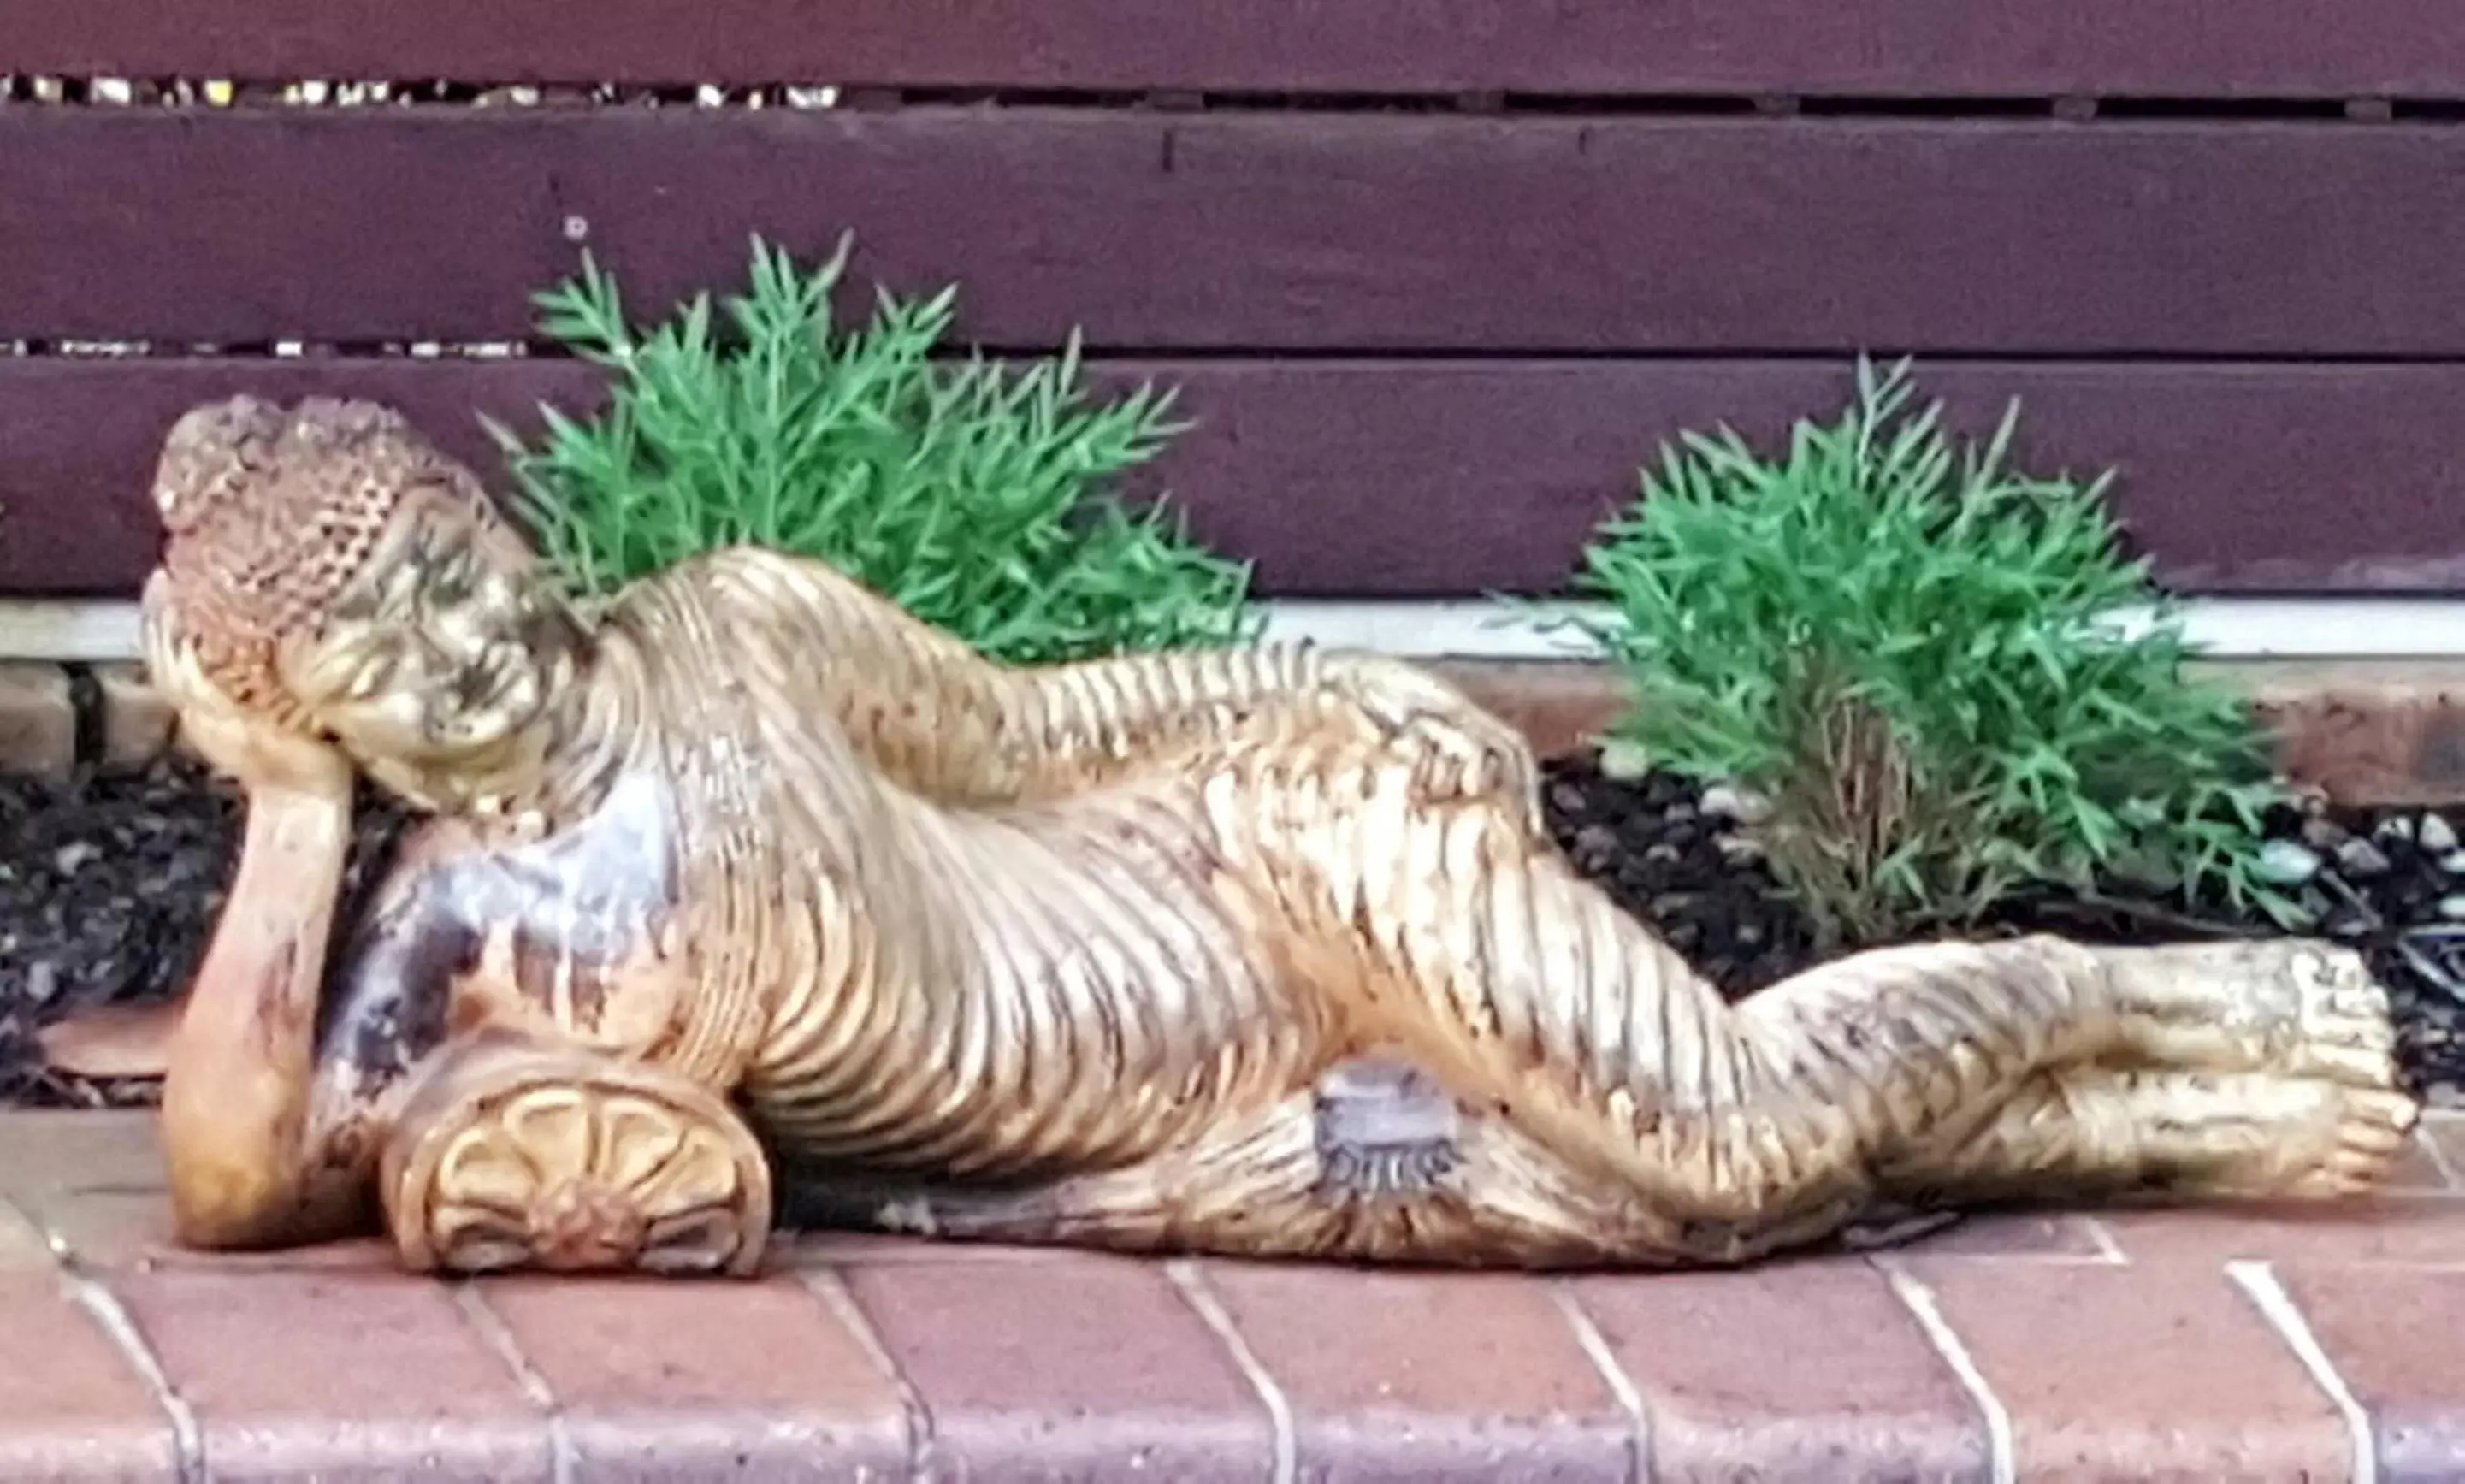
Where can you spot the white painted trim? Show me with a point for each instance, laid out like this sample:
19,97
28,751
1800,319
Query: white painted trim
82,632
97,631
2332,628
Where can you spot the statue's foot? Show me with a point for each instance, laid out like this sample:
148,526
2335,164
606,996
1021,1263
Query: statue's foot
514,1154
2256,1135
2089,1132
2298,1009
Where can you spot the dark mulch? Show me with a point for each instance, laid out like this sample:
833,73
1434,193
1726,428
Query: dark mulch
109,891
2382,877
108,888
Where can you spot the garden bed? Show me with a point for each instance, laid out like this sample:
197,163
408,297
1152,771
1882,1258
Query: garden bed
108,888
2383,877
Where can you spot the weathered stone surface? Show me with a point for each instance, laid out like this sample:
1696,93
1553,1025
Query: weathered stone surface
136,721
37,720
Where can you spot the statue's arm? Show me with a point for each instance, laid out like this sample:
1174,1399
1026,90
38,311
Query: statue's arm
1084,718
237,1133
940,718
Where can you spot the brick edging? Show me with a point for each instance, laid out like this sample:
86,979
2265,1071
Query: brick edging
55,719
2383,732
2211,1342
2388,732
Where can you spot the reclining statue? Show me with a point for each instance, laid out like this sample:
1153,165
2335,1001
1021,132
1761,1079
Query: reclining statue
743,889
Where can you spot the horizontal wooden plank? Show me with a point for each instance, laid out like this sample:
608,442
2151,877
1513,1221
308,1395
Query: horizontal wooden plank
2320,48
1388,480
1397,232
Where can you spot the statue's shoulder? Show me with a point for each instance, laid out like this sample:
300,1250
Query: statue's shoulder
746,572
755,590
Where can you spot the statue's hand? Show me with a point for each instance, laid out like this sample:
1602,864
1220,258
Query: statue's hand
259,754
1460,751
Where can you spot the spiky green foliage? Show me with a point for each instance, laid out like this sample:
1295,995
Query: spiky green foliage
1909,649
974,494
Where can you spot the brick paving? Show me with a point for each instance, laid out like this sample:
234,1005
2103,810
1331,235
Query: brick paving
2264,1344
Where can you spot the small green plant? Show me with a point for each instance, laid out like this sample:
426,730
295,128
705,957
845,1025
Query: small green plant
1908,650
969,492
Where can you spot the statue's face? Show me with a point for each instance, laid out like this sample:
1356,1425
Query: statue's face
442,655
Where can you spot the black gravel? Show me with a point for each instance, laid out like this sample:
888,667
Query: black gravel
109,891
109,887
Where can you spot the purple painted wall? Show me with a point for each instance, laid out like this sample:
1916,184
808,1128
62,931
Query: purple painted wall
1427,338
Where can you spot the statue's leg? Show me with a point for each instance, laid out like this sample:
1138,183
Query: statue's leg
513,1153
1376,1160
1243,1186
1546,1007
2303,1008
2097,1132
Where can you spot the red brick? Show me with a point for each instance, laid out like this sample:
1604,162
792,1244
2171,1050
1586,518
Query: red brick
2419,1171
2392,1336
2138,1372
23,1247
74,1406
1801,1371
2365,731
2396,1229
823,1250
337,1375
132,1229
83,1149
661,1380
1086,1367
1421,1376
109,1042
2445,1133
1560,706
2053,1235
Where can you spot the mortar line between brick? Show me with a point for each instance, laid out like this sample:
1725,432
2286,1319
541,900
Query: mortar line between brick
107,1310
2259,1280
499,1336
1920,1300
1630,1398
2109,1248
13,1206
1203,1301
826,1285
2437,1157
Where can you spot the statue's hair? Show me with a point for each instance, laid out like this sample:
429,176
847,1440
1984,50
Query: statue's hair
270,512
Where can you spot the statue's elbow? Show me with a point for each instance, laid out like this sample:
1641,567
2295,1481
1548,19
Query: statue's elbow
230,1191
223,1209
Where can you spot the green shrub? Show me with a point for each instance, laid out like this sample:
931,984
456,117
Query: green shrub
1906,649
970,492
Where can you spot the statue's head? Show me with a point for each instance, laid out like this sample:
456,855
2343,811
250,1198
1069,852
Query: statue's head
326,569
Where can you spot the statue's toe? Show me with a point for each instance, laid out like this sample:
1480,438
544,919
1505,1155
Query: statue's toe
2373,1126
